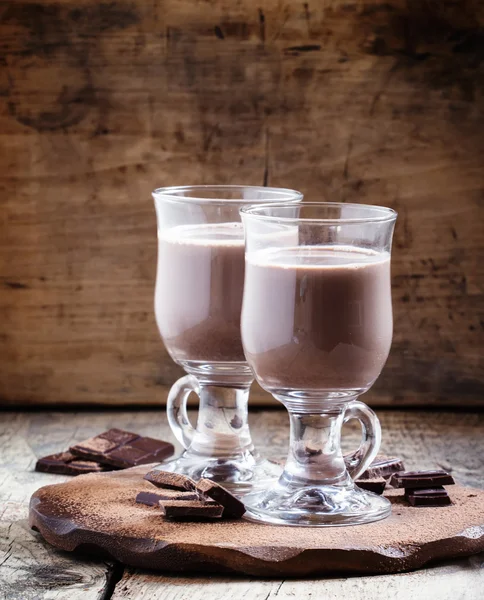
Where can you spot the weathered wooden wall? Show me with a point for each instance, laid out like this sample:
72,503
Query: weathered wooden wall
100,102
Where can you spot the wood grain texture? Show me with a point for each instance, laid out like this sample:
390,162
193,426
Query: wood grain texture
100,102
437,583
423,439
29,568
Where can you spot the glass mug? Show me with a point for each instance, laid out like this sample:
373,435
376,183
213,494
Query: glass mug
198,301
316,330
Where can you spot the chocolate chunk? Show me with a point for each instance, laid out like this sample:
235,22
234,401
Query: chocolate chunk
421,479
376,485
123,449
172,481
154,498
428,497
141,451
383,466
233,507
180,509
65,463
96,447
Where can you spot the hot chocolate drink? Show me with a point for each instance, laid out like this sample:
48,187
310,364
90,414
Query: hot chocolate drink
317,317
199,290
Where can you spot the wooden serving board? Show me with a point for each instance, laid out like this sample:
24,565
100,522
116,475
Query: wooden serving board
98,512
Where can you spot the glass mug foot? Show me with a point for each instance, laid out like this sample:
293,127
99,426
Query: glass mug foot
239,474
220,446
316,506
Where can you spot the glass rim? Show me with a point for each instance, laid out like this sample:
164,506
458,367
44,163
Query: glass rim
381,214
170,194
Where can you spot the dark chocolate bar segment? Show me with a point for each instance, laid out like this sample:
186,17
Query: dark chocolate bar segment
383,466
142,451
155,497
428,497
173,481
97,447
376,485
180,509
65,463
123,449
421,479
233,507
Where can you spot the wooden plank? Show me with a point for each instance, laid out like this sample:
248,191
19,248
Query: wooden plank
457,579
30,569
423,439
366,101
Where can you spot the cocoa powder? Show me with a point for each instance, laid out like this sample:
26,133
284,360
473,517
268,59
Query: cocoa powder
105,502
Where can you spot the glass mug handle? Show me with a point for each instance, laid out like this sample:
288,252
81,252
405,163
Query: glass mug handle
357,462
176,409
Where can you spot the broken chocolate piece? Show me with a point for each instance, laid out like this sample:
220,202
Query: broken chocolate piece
154,498
172,481
123,449
180,509
141,451
428,497
383,466
148,498
96,447
233,507
421,479
375,485
65,463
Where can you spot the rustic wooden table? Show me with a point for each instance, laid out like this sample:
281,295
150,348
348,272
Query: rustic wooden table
30,569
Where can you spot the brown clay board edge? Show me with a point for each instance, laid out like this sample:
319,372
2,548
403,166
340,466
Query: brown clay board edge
255,561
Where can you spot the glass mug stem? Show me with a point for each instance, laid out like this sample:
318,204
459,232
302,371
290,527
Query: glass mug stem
222,429
220,446
315,456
